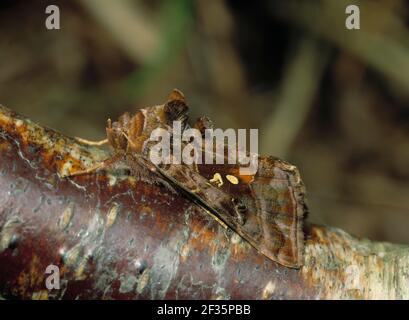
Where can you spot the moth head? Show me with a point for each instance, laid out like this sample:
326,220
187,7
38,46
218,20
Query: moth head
117,132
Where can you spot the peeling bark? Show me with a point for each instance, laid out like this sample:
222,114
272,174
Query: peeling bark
116,237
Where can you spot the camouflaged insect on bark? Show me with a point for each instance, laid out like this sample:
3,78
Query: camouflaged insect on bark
114,236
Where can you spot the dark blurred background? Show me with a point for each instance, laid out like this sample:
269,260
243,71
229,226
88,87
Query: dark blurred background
332,101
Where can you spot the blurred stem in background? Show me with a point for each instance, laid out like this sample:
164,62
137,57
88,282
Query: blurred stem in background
151,49
299,87
176,16
131,28
382,42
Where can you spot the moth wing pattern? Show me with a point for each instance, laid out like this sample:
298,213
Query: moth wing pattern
267,208
279,195
275,208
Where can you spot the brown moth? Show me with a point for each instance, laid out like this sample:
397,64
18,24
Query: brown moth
267,208
274,202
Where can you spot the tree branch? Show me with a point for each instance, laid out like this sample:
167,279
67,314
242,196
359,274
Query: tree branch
116,237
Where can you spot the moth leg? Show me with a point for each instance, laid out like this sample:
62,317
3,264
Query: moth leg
92,143
102,165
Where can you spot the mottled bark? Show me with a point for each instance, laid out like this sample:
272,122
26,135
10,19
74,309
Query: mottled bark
116,237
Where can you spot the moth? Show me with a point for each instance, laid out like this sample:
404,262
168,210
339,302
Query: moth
266,208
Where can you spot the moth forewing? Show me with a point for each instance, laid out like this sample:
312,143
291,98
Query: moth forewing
275,209
267,208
